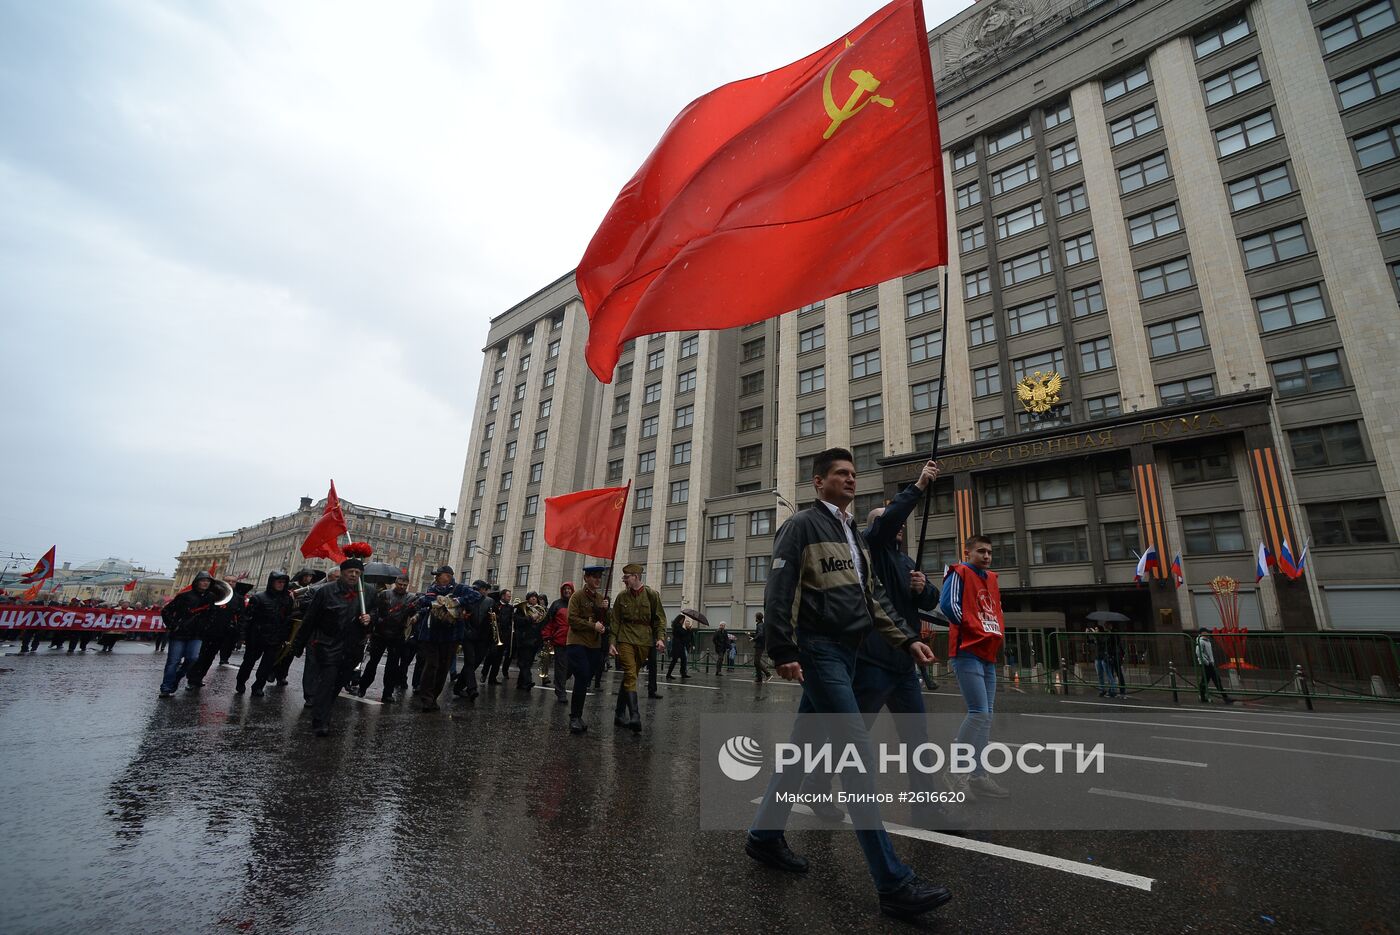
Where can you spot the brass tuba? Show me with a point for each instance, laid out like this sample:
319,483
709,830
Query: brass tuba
223,589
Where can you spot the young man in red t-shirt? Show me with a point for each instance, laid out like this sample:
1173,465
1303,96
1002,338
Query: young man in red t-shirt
971,600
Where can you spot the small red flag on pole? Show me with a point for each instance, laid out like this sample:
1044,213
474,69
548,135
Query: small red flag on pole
777,191
130,585
586,521
321,541
42,570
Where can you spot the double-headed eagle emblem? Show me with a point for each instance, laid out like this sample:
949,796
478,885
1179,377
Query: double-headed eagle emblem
1040,392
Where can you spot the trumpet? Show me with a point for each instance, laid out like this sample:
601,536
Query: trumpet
495,630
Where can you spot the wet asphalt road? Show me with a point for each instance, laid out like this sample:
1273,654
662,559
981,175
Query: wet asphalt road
213,812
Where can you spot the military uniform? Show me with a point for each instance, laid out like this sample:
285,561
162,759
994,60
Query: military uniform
638,622
584,646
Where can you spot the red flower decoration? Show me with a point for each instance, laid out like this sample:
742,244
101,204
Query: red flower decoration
358,550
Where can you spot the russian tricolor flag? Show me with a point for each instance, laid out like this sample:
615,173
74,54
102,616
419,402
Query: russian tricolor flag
1303,560
1264,562
1285,561
1147,562
1176,570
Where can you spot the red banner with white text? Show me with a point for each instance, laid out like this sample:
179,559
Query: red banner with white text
97,619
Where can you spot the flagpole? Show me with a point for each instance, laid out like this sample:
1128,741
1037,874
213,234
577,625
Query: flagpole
937,419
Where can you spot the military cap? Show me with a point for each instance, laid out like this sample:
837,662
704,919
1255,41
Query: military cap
632,568
594,569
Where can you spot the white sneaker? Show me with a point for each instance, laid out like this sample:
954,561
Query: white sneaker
986,785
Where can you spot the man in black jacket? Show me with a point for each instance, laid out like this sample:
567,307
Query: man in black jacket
820,602
333,630
184,620
476,642
221,634
680,646
391,608
268,624
498,657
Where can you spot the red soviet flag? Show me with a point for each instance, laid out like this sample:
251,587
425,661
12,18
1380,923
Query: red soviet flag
321,541
775,192
43,568
586,521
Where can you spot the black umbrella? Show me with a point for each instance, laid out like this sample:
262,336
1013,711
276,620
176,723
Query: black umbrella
381,573
1109,616
696,616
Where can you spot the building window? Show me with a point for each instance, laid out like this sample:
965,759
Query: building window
751,350
1261,187
672,572
1250,131
650,426
867,409
1087,300
1310,374
525,364
679,492
641,536
541,439
656,359
925,346
1236,80
1070,201
751,383
514,421
758,568
618,436
1327,445
537,472
1143,173
811,423
923,396
1387,209
553,349
1060,546
1275,246
646,462
1286,309
805,467
495,404
475,518
1120,541
680,454
750,456
1025,267
497,377
1356,26
1103,407
1153,224
986,381
1054,483
685,416
1057,114
1348,522
1064,155
527,540
548,378
1079,249
867,456
615,470
994,427
1164,278
532,504
480,492
1095,355
1378,146
546,407
964,157
485,458
1198,464
675,531
1226,33
652,393
642,499
972,238
811,339
1191,390
811,380
865,321
969,195
721,570
1038,314
624,373
1014,176
1211,533
722,527
925,300
490,431
685,383
620,404
506,478
1130,80
865,364
1137,124
976,283
761,522
1044,362
510,450
923,441
1114,476
501,512
1009,138
1020,220
1179,334
982,330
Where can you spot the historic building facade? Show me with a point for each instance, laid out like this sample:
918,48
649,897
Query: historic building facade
201,555
1171,320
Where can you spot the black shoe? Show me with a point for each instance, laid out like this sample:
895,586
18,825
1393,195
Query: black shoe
257,691
562,699
238,689
913,899
775,853
576,725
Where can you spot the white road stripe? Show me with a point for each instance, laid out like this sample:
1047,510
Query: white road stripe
1250,813
1282,723
1256,746
1234,712
1145,759
708,688
1228,730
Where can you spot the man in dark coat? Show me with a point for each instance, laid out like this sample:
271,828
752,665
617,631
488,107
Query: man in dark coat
333,631
474,633
438,630
498,657
267,625
220,634
680,646
391,608
184,620
529,617
301,592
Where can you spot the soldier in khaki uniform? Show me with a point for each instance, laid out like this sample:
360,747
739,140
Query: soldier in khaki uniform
588,610
638,627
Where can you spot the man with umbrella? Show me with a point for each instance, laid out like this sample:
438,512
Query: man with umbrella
682,636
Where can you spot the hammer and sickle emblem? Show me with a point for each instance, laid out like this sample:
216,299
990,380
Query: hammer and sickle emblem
865,82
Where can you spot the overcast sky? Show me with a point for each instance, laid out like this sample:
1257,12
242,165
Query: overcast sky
249,246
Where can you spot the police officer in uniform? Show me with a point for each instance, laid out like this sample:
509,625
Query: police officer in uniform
638,629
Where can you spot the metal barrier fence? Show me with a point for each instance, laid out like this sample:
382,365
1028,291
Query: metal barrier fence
1307,666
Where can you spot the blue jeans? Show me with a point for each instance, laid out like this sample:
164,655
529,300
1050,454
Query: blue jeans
182,654
876,687
828,672
1105,671
977,680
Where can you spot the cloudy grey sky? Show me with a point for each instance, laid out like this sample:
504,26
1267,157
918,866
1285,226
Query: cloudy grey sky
248,246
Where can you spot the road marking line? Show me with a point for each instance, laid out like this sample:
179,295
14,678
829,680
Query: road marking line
1233,712
1093,871
1228,730
362,700
1146,759
708,688
1282,723
1256,746
1250,813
